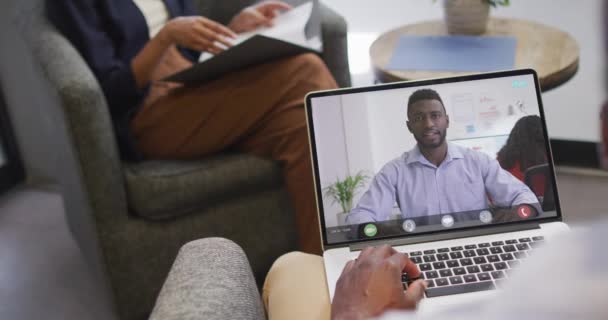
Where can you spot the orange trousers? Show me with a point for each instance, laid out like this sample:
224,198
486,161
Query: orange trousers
258,110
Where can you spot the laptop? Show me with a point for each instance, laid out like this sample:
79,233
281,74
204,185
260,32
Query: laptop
468,216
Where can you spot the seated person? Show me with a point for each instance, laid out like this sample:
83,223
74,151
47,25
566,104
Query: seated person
131,44
370,285
436,176
525,148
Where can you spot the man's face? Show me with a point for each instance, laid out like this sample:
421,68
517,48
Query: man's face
428,123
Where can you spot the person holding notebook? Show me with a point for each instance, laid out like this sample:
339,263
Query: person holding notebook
131,44
436,176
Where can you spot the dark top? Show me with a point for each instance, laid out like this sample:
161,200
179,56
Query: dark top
109,34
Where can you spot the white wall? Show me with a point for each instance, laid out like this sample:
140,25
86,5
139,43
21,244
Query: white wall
390,136
331,147
343,144
486,114
580,98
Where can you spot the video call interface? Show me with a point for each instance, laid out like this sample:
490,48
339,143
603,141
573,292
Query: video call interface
405,161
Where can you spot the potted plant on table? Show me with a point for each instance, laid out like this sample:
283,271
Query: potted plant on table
344,191
469,17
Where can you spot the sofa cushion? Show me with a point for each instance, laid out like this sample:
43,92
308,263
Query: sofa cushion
160,189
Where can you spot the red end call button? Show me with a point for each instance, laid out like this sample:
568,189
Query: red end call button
524,211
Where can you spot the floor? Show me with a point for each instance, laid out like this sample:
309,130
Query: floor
42,272
582,194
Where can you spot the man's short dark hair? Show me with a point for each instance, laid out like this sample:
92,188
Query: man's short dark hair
424,94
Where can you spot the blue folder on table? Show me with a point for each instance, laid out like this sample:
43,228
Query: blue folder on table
453,53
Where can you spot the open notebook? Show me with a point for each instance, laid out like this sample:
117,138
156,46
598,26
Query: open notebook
286,37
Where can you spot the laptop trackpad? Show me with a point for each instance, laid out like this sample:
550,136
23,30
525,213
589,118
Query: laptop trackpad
452,303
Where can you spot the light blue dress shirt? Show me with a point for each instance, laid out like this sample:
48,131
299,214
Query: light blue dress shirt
462,182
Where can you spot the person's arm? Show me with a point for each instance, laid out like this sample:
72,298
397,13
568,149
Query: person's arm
504,189
371,284
377,202
81,23
195,32
124,83
201,34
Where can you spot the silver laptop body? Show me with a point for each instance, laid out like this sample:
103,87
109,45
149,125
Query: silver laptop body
360,136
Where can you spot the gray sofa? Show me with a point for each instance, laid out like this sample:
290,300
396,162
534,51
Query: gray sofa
235,196
210,279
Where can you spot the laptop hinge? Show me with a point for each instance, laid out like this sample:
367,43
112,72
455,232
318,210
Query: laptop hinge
445,236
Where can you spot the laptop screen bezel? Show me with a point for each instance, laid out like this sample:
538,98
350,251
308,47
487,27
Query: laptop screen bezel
420,83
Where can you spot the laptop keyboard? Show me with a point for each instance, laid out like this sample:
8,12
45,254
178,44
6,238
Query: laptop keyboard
470,268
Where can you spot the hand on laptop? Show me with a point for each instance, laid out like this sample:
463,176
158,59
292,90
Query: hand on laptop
371,284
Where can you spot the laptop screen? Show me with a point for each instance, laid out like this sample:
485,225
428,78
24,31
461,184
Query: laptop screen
429,156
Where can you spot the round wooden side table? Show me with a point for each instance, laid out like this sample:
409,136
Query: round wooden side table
553,53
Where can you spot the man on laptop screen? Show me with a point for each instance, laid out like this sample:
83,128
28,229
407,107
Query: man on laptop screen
436,177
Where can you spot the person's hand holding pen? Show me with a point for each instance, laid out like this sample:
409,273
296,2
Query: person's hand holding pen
258,15
371,284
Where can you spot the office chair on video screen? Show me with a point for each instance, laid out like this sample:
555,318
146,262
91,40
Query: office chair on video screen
537,178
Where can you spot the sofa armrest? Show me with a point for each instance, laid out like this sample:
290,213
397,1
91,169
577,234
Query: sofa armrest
335,45
210,279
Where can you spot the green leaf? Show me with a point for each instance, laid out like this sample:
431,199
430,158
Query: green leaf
343,191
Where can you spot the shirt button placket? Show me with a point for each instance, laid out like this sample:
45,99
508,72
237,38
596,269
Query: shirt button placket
438,191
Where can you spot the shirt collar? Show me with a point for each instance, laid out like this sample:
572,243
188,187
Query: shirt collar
414,155
454,152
